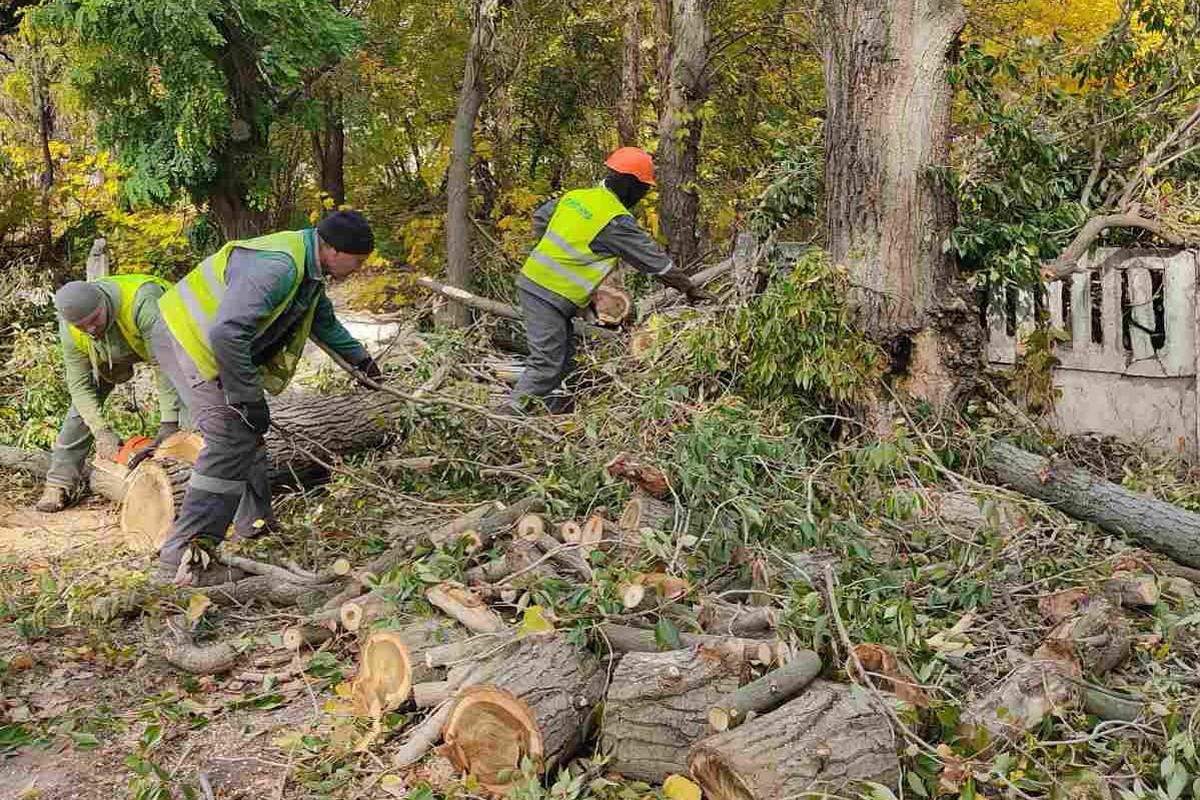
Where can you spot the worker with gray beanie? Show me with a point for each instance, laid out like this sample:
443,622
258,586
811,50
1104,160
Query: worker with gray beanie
231,332
105,327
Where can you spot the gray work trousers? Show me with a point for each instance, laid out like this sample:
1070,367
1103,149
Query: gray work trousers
551,339
230,482
68,456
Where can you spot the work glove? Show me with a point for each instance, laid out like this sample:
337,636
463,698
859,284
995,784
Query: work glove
677,281
368,367
165,429
256,415
107,444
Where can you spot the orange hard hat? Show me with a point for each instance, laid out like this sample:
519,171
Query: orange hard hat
633,161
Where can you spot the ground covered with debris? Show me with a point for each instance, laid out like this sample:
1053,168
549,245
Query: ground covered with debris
579,606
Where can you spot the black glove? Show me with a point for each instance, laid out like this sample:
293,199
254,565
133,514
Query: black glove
677,281
165,429
257,415
368,367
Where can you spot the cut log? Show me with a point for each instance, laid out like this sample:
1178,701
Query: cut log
826,739
154,492
1132,591
384,677
613,306
643,511
570,532
1022,700
566,556
1098,636
263,589
486,520
623,639
465,606
656,707
766,693
1159,525
642,475
503,309
531,526
35,462
537,703
665,297
182,446
311,634
476,648
181,652
734,619
359,613
106,479
431,693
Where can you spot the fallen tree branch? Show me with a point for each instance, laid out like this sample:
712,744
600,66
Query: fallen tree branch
505,310
1068,262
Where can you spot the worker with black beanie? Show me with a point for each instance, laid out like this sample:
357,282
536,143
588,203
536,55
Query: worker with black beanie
230,332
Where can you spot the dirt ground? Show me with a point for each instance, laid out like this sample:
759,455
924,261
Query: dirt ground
80,700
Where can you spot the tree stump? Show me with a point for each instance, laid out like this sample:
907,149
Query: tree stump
824,740
656,708
536,702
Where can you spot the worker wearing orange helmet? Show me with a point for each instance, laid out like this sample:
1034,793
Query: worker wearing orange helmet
580,237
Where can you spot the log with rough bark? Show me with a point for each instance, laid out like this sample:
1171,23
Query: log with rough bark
655,708
824,740
265,589
183,653
385,675
359,613
643,511
522,558
503,309
766,693
105,478
1157,524
536,703
735,619
1099,636
567,555
623,639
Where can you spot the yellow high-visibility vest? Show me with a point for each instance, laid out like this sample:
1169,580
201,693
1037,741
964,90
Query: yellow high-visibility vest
127,289
563,260
190,308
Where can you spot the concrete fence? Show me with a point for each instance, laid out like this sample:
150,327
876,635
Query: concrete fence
1129,364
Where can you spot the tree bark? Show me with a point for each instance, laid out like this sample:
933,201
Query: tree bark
764,694
824,740
656,708
887,125
329,149
1159,525
45,116
679,130
537,702
631,75
623,639
458,176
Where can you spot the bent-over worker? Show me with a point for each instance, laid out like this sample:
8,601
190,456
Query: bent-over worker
104,326
580,236
231,330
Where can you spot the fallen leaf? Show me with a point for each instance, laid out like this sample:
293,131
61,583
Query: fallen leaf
197,605
1060,605
954,640
890,674
19,662
533,622
678,787
393,785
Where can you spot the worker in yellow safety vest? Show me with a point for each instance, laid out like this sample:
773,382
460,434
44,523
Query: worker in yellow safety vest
580,237
231,331
104,327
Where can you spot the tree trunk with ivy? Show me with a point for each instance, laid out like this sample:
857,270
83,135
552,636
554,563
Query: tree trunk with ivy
679,129
458,175
888,217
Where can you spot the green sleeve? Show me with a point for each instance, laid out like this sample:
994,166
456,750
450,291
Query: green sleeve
85,395
330,330
145,315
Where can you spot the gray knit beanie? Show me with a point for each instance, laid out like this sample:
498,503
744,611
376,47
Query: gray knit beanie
76,300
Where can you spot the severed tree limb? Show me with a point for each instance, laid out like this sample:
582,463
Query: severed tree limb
505,310
769,691
426,734
624,639
277,573
1068,262
465,606
184,654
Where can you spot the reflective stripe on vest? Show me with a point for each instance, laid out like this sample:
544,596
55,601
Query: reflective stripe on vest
563,260
127,288
190,308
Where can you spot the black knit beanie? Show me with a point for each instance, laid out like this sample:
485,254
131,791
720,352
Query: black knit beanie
347,232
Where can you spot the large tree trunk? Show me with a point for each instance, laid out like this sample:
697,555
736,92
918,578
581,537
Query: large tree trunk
1164,527
888,219
631,75
537,702
228,206
329,149
825,740
45,116
679,129
656,709
458,175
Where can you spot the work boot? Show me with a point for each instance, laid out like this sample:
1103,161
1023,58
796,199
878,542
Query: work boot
267,527
53,499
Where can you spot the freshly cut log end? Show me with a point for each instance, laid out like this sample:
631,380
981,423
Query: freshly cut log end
297,636
342,567
531,526
720,719
632,595
385,676
570,532
824,740
644,511
613,306
182,446
154,492
465,606
488,734
592,532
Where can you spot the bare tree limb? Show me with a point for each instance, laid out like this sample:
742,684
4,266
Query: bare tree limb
1068,262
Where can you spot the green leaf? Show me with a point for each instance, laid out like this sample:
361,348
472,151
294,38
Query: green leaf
916,784
666,635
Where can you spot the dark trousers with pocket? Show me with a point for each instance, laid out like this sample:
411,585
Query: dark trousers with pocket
551,339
